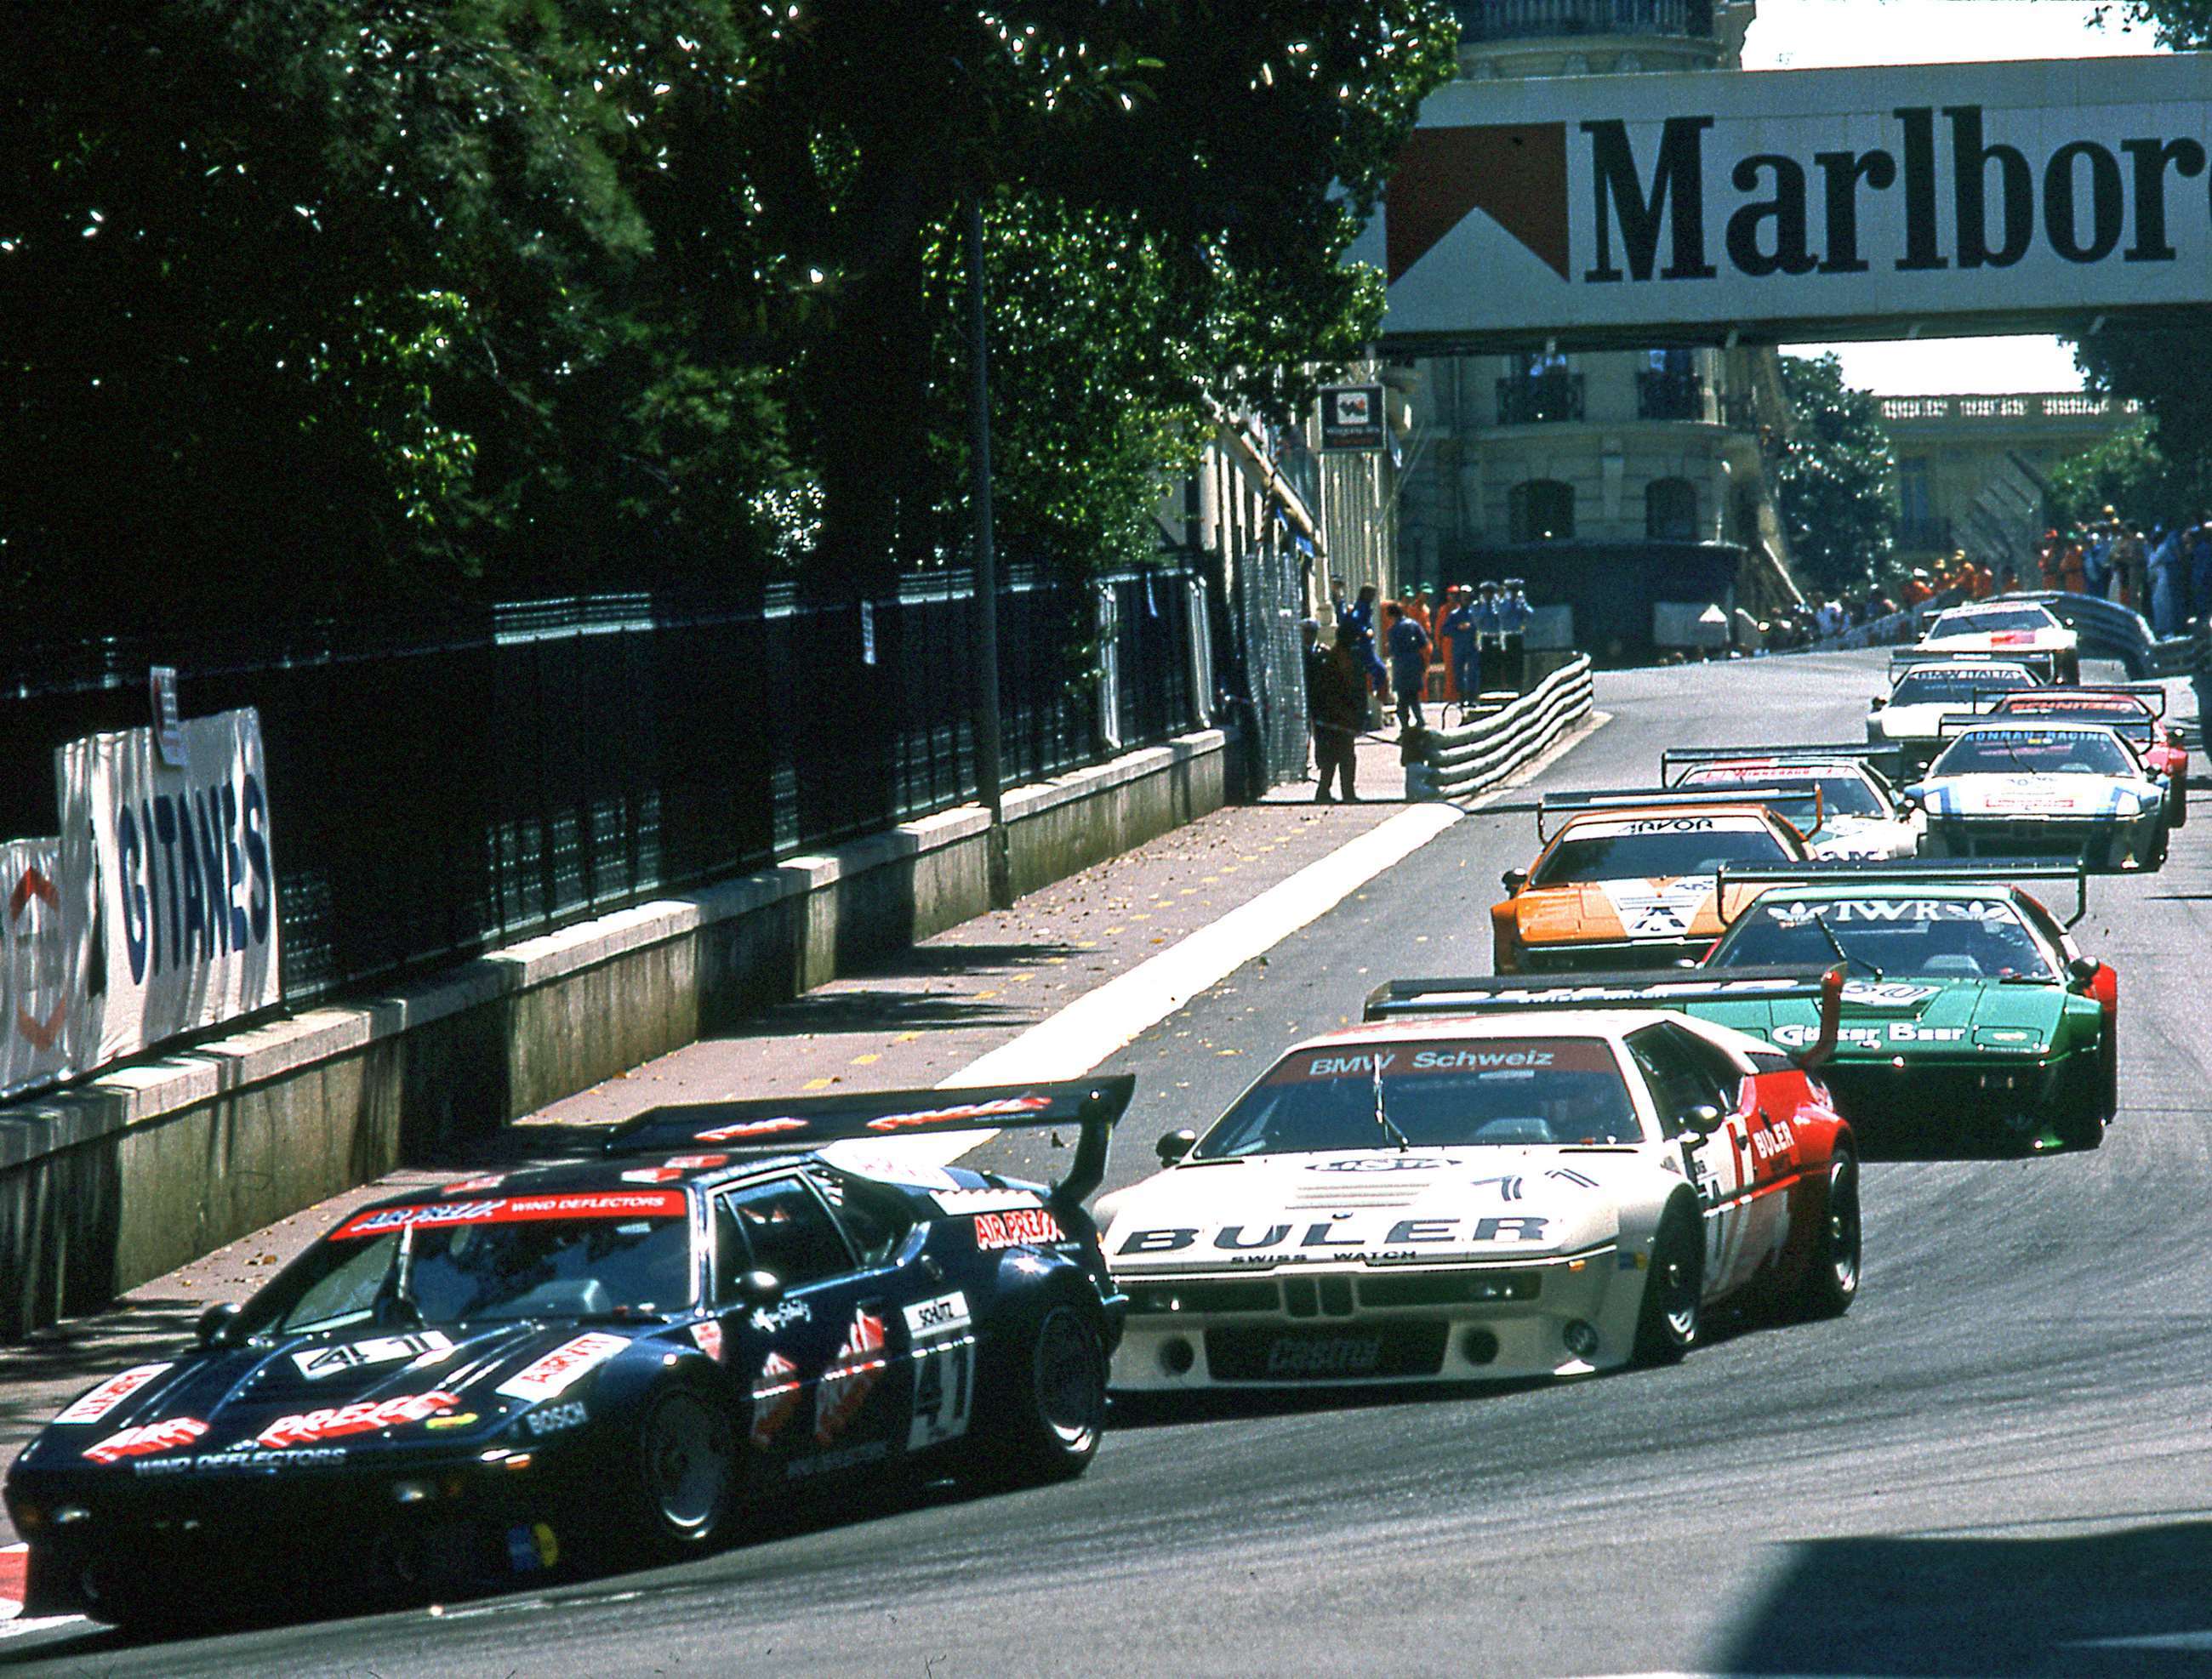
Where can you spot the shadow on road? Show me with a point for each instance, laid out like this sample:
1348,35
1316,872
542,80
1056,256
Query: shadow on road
2135,1602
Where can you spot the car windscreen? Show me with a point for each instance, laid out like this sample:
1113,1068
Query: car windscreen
1955,685
1660,848
620,1254
1986,623
1893,936
2034,752
1478,1093
1838,794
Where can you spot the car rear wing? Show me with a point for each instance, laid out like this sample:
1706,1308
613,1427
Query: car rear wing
1881,758
2041,665
1637,798
1668,989
2151,696
797,1124
1952,725
1899,871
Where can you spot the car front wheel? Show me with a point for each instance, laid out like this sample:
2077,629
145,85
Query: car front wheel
686,1472
1674,1290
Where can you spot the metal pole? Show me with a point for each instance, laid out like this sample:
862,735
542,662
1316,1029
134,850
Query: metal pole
987,767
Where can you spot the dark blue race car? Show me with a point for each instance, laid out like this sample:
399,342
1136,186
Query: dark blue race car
467,1383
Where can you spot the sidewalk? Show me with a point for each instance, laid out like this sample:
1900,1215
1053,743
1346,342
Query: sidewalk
911,1021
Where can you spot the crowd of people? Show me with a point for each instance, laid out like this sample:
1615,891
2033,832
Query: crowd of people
2163,571
1407,652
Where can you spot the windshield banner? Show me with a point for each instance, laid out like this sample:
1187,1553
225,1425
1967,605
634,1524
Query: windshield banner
517,1209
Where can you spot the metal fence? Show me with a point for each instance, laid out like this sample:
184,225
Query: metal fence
441,787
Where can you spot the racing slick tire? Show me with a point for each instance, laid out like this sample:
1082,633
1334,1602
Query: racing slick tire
1830,1281
1041,1398
2177,800
684,1473
1666,1323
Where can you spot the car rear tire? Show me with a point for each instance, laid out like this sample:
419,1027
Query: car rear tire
684,1472
1829,1282
1042,1407
2177,799
1673,1289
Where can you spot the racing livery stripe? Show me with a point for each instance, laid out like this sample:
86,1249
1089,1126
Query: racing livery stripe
518,1210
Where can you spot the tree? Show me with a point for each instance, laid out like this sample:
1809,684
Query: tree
1835,480
2127,472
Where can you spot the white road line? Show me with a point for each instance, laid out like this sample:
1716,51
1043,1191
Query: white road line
1077,1039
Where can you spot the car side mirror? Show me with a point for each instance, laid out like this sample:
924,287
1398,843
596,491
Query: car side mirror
215,1324
2082,970
1513,880
1876,703
759,1289
1176,1146
1703,1120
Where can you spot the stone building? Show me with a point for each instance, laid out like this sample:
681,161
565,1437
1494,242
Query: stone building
1616,482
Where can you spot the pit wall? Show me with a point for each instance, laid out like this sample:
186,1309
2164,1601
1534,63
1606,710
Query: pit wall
123,1179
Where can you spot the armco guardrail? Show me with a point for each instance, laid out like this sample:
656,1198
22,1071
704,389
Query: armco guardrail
1456,762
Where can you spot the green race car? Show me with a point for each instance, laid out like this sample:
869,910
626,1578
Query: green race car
1970,1023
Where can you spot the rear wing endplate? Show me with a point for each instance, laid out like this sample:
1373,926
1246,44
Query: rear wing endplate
1905,871
1666,989
797,1124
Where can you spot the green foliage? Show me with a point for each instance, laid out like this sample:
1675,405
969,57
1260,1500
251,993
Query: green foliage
2182,25
2127,472
334,303
2159,361
1834,480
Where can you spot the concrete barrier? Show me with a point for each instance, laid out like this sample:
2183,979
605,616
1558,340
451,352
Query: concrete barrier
1455,763
118,1180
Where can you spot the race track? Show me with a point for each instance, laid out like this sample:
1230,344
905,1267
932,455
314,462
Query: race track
1995,1464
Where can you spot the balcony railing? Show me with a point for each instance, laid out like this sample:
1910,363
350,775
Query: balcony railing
1661,396
1534,402
2056,405
1524,20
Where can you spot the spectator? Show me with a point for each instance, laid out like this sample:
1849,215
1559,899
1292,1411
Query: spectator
1409,662
1465,644
2128,553
1359,618
1446,664
2168,582
2199,550
1419,609
1917,588
1514,616
1336,701
1488,626
2072,564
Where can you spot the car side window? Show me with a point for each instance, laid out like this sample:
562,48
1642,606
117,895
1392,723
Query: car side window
873,1217
1677,1081
1713,1062
786,1230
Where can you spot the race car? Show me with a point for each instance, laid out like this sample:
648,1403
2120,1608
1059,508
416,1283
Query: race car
463,1384
1923,691
2006,628
2135,713
1627,881
1502,1185
1831,793
1971,1022
2041,790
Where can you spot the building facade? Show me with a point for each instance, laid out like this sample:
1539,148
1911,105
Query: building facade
1617,482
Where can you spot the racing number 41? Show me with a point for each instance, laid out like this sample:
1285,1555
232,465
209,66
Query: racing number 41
944,1370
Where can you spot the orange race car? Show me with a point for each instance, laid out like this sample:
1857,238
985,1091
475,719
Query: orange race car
1626,881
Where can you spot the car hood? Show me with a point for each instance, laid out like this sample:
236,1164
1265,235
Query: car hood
322,1399
1655,909
1897,1016
1379,1206
2038,796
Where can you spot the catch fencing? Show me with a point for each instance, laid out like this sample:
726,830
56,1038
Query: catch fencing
444,787
1457,763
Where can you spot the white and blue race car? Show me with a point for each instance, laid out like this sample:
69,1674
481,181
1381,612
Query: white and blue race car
2042,789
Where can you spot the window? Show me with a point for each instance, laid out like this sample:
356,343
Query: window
873,1217
1541,510
1680,1079
1670,510
779,1227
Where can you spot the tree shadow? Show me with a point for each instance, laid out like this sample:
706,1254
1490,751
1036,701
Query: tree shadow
2133,1602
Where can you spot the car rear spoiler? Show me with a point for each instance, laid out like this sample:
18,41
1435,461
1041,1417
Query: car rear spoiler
1904,659
1951,725
1881,759
1635,798
2152,694
1875,871
1524,993
797,1124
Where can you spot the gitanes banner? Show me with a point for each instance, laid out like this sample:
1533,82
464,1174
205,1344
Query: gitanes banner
180,877
42,963
1786,205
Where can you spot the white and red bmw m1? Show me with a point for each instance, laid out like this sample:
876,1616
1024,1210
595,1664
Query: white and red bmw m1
1523,1178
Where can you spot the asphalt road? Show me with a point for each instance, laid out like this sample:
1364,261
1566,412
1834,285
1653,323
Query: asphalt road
1995,1464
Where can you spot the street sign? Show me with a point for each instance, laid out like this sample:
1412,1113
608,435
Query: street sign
1352,418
